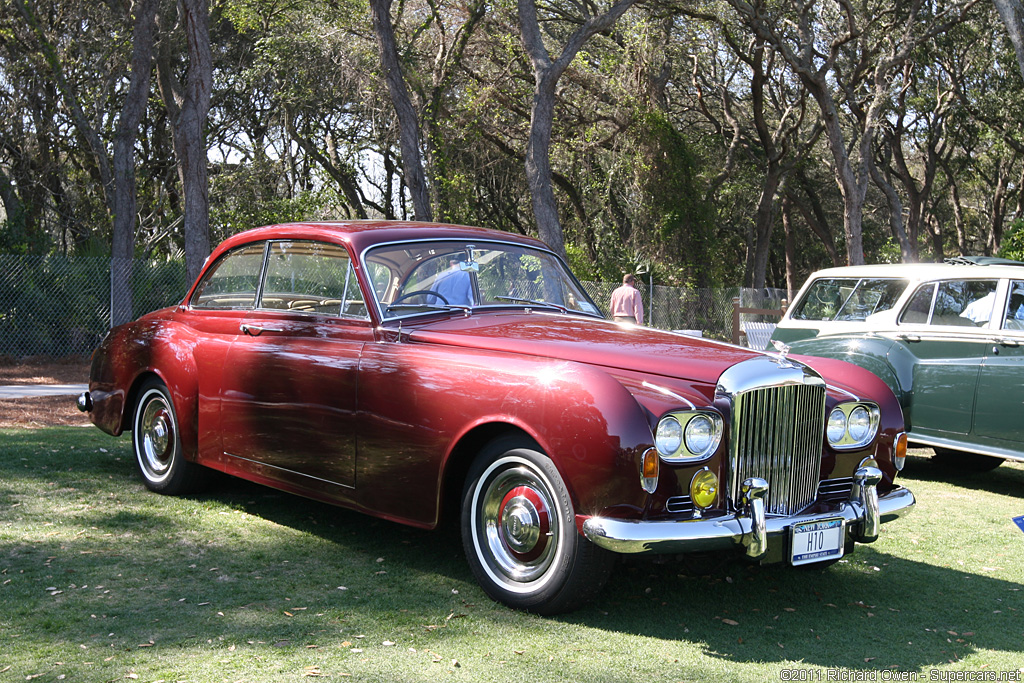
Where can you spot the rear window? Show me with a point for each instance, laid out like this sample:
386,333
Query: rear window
848,298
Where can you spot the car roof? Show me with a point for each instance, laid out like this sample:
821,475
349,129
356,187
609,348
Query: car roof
363,234
969,267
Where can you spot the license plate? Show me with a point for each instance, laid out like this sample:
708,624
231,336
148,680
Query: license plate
816,541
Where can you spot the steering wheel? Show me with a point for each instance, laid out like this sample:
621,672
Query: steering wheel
409,295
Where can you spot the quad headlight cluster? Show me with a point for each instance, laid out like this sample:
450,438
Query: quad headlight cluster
852,425
688,436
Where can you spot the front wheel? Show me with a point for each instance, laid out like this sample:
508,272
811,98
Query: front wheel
519,533
156,441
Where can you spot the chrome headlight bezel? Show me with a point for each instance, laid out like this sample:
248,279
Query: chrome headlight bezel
700,435
860,421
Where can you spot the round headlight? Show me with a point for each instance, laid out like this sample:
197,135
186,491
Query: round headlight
859,425
700,434
704,489
669,436
836,428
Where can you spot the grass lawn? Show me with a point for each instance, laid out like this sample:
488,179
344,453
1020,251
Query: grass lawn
101,580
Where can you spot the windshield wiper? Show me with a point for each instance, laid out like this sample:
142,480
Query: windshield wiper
443,307
516,299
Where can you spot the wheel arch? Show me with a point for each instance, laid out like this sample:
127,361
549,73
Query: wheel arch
462,455
185,406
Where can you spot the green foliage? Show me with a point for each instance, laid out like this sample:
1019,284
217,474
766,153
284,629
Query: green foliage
1013,241
248,196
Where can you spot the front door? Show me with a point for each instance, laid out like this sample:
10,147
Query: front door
288,397
945,329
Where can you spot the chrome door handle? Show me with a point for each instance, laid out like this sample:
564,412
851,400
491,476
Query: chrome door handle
257,330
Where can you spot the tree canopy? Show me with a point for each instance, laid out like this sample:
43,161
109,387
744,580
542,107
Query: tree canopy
708,142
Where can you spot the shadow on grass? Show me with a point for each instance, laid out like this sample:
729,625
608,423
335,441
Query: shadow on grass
1005,480
243,563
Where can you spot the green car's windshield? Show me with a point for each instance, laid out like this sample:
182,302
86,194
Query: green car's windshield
417,277
848,298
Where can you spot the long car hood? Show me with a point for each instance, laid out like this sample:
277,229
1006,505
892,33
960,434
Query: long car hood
585,340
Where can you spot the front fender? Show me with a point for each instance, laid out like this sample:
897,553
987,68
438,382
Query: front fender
871,353
418,403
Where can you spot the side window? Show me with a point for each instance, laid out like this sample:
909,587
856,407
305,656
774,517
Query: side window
1014,319
920,306
311,277
964,302
232,281
824,299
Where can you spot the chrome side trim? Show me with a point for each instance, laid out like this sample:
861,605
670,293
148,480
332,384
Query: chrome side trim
952,444
721,533
670,393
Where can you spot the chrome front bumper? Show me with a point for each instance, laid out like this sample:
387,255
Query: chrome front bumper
749,527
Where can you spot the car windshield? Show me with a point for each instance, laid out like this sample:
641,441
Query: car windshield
848,298
422,277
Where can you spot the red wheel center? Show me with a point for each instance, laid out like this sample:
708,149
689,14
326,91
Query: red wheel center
525,523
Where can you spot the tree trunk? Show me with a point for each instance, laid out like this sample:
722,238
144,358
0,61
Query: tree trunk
792,281
764,222
187,109
899,231
124,201
1012,14
542,111
191,139
408,126
538,163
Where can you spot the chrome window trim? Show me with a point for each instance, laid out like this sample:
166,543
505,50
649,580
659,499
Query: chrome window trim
476,242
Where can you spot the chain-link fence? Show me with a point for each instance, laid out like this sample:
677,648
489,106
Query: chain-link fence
55,306
704,310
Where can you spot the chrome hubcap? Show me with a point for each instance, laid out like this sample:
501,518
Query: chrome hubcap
519,526
156,432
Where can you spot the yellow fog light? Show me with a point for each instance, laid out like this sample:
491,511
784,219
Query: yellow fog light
650,467
704,489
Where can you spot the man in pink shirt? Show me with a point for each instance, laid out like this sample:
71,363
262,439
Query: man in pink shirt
626,304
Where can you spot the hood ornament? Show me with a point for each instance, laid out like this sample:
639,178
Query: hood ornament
783,350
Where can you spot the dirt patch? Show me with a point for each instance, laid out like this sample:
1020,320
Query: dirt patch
36,413
48,411
73,370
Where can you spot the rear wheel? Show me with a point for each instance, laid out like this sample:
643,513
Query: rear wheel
972,462
156,441
519,533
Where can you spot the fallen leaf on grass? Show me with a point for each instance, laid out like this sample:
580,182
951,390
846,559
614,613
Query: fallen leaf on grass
730,622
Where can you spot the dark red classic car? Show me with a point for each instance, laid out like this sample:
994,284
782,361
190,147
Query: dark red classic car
405,370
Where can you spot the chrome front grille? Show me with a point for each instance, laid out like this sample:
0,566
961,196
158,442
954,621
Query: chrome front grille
777,435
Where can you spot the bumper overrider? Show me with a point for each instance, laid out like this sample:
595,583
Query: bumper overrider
750,527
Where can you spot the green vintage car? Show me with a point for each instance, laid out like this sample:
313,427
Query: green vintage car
947,338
